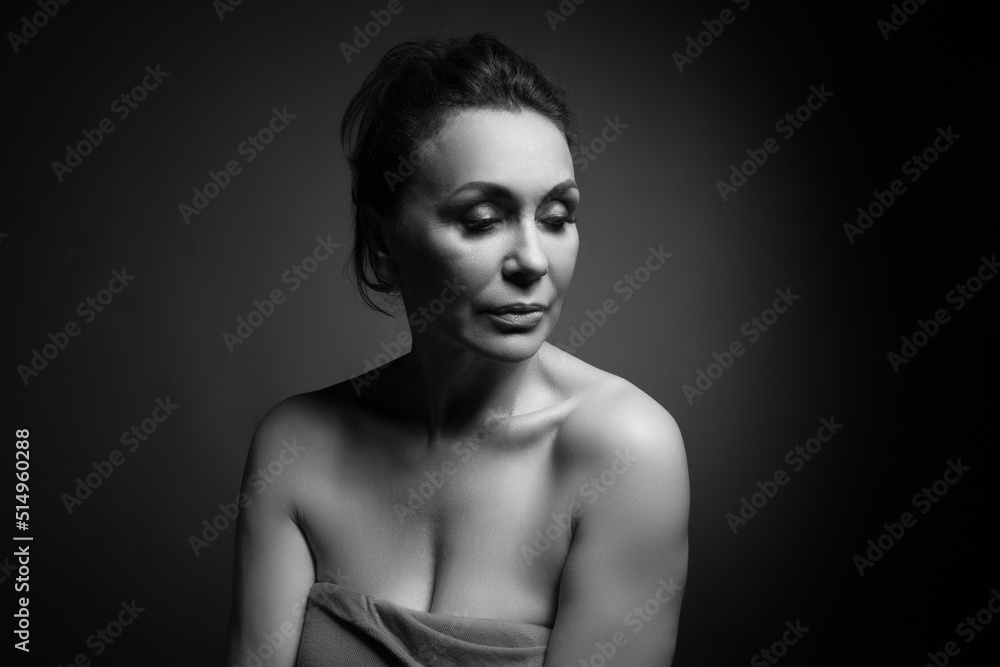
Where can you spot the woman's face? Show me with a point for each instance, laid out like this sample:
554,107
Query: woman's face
486,224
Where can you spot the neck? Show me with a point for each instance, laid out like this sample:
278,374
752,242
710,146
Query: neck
450,390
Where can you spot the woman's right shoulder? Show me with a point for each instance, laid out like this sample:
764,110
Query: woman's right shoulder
307,428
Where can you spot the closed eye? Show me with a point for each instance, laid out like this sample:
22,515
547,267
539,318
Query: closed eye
480,224
558,221
481,217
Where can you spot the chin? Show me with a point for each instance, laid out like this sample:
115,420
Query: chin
511,347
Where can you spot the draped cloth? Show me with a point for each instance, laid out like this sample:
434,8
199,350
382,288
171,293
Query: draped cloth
345,628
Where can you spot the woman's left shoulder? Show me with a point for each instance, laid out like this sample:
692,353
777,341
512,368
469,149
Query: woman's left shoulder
609,414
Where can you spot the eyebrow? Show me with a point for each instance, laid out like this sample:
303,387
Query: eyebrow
495,190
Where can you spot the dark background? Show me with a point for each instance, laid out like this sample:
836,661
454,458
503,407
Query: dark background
162,336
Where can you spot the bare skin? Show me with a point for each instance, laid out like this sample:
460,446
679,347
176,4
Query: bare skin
486,473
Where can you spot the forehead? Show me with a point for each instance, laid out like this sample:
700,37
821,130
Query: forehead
523,151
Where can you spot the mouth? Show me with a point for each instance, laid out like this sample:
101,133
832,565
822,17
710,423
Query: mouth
519,314
518,308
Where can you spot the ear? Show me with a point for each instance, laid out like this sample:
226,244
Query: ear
382,259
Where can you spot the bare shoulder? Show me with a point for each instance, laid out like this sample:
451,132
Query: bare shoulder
293,441
611,414
305,415
624,464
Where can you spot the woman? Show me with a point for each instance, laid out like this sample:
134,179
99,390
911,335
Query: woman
485,498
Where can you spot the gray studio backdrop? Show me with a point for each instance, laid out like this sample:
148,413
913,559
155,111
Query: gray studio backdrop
175,165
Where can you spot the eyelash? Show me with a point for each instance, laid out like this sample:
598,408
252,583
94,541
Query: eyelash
485,223
561,219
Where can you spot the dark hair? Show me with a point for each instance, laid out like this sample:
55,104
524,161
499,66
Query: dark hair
406,100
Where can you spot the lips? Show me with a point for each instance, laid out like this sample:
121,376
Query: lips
520,316
518,308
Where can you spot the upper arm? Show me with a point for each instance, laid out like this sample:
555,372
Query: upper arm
273,567
621,587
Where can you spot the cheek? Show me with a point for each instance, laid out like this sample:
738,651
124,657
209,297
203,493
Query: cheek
475,266
562,262
436,263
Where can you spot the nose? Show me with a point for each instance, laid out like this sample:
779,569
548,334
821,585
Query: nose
526,260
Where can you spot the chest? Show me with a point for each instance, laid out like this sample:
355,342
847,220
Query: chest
480,528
